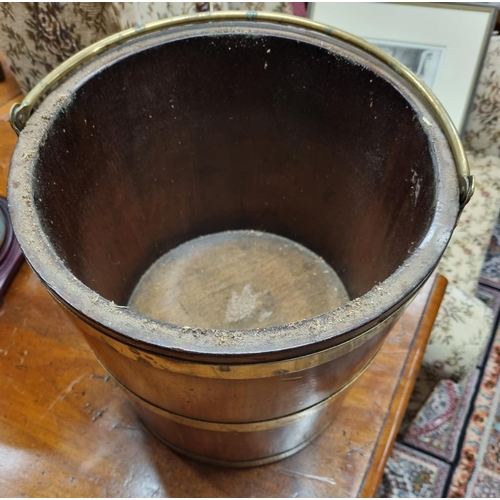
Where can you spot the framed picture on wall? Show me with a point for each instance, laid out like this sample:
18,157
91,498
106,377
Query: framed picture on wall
443,44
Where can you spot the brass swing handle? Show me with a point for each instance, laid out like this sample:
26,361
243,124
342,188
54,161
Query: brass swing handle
20,112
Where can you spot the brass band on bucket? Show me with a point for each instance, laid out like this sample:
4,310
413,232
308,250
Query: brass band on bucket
263,425
241,464
20,112
235,371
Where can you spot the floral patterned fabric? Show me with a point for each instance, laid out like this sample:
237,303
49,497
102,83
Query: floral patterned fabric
482,135
422,390
463,259
491,297
37,37
459,336
410,473
457,342
438,425
464,323
132,13
478,471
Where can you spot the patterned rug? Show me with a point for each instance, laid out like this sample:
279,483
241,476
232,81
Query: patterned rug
478,471
491,298
411,473
444,444
490,274
477,474
438,426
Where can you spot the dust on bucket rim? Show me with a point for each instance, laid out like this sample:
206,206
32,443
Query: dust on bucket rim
307,335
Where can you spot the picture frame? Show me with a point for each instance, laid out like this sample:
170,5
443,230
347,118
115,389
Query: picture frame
443,43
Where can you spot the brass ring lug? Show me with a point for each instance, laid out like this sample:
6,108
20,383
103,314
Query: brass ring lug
16,118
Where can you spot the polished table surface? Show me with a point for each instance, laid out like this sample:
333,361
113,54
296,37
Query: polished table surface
66,429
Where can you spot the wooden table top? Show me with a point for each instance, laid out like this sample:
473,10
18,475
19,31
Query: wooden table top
66,429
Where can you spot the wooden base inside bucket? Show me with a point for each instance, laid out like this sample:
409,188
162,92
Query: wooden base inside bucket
238,280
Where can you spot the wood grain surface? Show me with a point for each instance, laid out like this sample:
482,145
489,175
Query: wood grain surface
66,429
238,280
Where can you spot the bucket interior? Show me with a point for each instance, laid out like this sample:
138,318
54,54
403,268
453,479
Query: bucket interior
232,131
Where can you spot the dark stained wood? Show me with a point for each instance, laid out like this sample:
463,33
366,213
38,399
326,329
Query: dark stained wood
8,140
8,87
10,93
66,429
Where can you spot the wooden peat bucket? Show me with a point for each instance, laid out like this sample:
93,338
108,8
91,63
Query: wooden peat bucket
234,121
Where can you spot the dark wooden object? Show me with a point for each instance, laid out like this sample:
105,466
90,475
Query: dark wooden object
303,136
66,430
